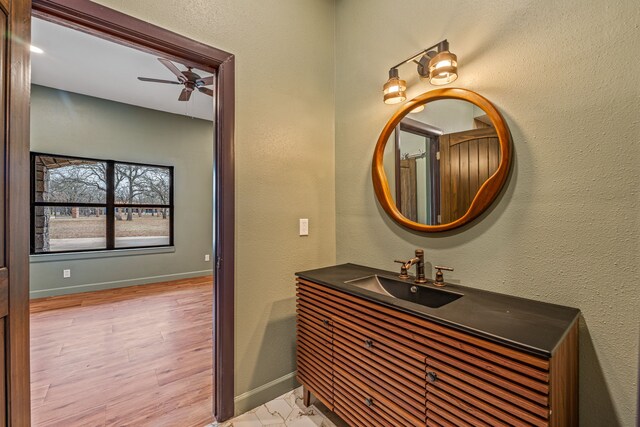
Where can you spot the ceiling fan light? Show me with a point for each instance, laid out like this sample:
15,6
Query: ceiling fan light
443,68
418,109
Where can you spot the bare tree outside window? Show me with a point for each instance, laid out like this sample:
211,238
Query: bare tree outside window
157,184
137,184
75,183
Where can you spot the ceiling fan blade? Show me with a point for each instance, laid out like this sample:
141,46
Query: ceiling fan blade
185,95
147,79
173,69
206,91
205,81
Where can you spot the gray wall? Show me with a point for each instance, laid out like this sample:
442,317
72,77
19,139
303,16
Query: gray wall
284,163
72,124
566,229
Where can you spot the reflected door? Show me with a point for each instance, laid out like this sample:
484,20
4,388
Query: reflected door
408,189
417,172
467,160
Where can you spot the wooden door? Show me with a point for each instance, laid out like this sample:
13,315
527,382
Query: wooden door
467,159
408,189
15,25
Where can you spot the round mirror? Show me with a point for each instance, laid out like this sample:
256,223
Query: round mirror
441,160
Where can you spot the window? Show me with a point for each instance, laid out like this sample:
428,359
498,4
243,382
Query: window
80,204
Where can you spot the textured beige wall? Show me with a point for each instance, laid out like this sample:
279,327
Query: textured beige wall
566,228
284,160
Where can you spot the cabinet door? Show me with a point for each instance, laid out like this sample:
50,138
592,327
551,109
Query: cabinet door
377,381
314,350
466,389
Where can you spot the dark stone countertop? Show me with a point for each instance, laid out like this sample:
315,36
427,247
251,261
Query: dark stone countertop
531,326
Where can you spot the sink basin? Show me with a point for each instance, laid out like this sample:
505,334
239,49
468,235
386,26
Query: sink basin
399,289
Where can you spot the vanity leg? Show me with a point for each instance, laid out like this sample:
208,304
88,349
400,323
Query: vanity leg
306,396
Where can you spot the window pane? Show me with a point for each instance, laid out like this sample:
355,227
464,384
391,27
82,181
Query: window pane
60,179
137,227
60,229
137,184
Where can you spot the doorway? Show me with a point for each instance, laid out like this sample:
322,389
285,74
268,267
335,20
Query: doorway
122,29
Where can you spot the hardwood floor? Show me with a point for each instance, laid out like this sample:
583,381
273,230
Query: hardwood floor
133,356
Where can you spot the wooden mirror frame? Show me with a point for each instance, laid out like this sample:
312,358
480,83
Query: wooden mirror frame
488,191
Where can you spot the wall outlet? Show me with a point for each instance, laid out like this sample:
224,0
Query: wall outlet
304,226
66,274
207,257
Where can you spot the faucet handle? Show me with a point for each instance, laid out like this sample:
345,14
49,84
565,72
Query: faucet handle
439,281
403,269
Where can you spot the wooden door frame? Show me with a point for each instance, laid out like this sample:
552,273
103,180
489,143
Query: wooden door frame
16,219
115,26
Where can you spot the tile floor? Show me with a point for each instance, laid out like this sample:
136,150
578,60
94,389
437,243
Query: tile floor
286,410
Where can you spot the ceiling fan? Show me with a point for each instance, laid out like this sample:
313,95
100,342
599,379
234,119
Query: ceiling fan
188,78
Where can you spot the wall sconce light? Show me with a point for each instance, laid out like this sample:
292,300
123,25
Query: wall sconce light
394,88
436,63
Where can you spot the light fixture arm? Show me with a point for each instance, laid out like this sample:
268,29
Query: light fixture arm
442,46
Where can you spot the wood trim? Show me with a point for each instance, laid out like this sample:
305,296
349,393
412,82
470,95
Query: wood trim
396,161
224,243
17,236
4,291
417,127
487,192
563,388
115,26
3,376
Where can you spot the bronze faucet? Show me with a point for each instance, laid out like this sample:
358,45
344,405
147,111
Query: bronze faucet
418,261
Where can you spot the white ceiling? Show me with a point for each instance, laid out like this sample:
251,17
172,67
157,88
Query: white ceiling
77,62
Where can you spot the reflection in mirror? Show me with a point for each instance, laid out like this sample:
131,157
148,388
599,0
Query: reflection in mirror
438,159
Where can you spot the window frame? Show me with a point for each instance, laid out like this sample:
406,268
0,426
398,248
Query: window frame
109,205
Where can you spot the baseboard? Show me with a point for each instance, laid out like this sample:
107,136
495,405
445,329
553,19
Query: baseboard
266,392
43,293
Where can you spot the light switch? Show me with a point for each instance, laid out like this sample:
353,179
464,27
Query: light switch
304,226
66,274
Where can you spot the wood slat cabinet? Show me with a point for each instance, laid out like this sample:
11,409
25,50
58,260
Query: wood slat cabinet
314,346
376,366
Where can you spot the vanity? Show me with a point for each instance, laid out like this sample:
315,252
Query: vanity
383,351
386,349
